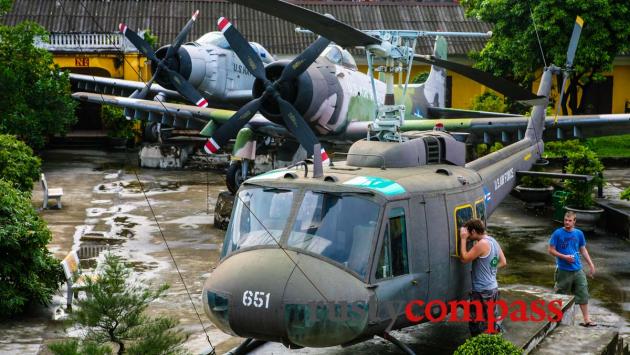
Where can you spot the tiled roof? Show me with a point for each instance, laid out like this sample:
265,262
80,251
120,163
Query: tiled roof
166,18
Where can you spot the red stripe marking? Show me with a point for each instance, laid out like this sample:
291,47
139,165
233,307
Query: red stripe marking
211,146
195,14
223,23
202,103
122,27
324,156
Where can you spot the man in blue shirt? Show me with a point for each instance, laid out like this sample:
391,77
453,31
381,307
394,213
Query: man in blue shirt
566,244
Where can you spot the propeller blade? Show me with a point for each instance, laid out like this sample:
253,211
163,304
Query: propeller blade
299,64
186,89
501,85
575,38
182,35
296,125
137,41
232,126
242,48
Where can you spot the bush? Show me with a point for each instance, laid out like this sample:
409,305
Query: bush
625,194
487,344
583,161
561,149
114,120
114,311
496,146
18,166
28,271
489,101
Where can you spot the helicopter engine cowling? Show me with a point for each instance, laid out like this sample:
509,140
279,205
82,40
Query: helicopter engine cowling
316,94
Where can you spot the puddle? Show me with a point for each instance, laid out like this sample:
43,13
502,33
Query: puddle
133,188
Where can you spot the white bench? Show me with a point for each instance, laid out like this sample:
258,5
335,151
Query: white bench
74,277
54,193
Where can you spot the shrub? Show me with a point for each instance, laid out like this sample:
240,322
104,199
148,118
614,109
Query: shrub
114,120
481,149
18,165
496,146
74,347
114,311
625,194
583,161
489,101
561,149
28,271
487,344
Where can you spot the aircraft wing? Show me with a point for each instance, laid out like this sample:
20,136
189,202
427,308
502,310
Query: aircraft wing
119,87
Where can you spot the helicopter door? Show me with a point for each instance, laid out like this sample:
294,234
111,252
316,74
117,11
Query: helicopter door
439,237
396,283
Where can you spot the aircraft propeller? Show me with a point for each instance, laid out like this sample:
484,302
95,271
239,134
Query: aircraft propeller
293,120
575,38
179,82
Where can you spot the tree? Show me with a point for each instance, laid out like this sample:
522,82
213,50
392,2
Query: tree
35,101
18,166
114,311
28,272
513,50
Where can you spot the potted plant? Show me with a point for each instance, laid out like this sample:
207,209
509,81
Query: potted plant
534,189
119,128
580,199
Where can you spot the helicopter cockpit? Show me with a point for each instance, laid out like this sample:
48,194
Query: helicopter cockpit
338,226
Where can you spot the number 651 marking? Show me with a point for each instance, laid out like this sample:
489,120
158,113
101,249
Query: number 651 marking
256,299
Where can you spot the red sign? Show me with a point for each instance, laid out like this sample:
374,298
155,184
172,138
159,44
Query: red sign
82,61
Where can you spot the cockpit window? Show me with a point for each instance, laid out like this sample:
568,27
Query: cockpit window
348,60
333,54
338,226
214,39
270,206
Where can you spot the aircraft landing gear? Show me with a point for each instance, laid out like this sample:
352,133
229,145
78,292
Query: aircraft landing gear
248,345
402,346
237,172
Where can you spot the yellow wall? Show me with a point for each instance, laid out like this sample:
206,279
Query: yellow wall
133,67
621,87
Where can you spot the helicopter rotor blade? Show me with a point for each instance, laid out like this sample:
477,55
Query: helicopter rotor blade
243,49
182,35
500,85
338,32
143,46
299,64
575,39
232,126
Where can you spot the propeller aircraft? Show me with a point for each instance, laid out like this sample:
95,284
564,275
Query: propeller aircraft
324,98
306,245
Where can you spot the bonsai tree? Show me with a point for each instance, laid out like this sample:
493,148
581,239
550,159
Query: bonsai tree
487,344
584,161
115,313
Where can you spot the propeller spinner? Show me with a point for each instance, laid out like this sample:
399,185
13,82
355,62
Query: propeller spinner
176,79
292,118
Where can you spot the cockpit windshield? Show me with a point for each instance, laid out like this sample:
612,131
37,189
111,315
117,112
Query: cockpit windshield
259,217
338,226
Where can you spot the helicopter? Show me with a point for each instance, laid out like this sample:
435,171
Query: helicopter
380,227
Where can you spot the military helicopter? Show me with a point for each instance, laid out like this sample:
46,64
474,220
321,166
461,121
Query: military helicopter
378,228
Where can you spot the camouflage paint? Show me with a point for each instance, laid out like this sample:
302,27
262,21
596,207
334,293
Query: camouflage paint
245,145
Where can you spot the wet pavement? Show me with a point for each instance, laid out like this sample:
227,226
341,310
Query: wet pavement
104,208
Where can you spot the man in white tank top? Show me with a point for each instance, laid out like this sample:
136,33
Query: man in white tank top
486,256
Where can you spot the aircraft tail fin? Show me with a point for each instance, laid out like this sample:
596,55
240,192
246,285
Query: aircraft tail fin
435,85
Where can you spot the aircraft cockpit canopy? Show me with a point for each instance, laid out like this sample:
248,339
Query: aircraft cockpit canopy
338,226
217,39
340,56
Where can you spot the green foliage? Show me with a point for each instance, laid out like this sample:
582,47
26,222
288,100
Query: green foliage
5,6
611,146
496,146
74,347
151,38
625,194
114,311
534,181
583,161
18,166
481,149
35,101
513,49
114,120
561,149
489,101
487,344
420,78
28,271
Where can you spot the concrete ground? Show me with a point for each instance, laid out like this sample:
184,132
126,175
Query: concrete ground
103,200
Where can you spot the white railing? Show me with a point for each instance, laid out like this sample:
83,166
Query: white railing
77,42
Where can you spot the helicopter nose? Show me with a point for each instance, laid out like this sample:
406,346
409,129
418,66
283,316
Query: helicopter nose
284,296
